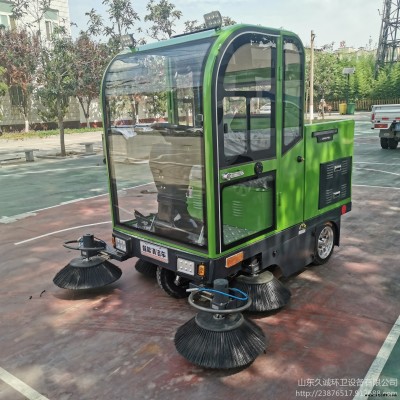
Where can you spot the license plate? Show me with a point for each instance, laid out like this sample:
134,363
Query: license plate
156,252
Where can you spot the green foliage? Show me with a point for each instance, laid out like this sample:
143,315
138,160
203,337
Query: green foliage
19,57
57,83
90,61
121,19
331,84
163,15
57,80
387,85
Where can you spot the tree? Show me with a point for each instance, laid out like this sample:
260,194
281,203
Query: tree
163,15
19,56
57,81
36,9
122,17
3,88
90,60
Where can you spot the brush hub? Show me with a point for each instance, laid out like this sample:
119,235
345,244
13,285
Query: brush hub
194,302
258,279
219,322
86,262
88,245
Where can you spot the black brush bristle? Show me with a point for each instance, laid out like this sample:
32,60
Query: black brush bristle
79,274
266,296
235,348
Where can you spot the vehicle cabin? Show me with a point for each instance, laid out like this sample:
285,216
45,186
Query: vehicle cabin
212,171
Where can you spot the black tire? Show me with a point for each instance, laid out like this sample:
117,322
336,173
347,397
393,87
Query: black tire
384,143
392,143
166,281
324,244
146,268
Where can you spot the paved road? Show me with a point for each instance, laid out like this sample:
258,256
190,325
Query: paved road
49,182
374,166
118,343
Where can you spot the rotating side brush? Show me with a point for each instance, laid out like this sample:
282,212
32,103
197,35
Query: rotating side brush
266,292
219,336
89,271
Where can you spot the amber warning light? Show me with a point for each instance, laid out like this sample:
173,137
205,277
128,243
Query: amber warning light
235,259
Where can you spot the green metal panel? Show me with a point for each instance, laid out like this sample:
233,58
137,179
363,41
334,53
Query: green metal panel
209,131
290,173
335,146
247,207
290,188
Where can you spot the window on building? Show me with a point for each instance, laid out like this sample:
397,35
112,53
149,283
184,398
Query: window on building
7,21
16,96
51,21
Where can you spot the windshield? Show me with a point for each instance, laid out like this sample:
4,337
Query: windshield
154,130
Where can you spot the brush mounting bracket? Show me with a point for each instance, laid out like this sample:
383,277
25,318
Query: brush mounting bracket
88,245
194,299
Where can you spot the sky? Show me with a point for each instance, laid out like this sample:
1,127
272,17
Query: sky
355,22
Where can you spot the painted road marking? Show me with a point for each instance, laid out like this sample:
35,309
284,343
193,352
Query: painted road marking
19,386
375,163
49,171
13,218
378,170
62,230
377,366
377,187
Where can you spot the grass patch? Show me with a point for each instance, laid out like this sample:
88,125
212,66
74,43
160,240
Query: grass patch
44,134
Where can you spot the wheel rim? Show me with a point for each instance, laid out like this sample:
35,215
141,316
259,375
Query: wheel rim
325,242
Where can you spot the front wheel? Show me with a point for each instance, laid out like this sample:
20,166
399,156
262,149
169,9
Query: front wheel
172,284
146,268
324,244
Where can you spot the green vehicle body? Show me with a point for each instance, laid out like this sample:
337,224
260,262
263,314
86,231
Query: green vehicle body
221,188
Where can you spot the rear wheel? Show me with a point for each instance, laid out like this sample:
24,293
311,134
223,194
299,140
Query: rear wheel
324,244
392,143
384,143
172,284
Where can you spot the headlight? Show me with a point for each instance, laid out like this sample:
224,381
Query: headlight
185,266
120,244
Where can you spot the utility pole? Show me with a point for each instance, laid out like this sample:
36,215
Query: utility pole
311,110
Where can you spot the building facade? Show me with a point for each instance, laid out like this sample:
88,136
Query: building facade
56,15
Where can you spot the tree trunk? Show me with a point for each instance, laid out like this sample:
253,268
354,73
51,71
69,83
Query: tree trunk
26,125
61,128
62,139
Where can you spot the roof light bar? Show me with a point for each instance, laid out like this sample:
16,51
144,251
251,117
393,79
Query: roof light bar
128,41
213,20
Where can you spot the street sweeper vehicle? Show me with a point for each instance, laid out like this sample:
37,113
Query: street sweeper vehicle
215,182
